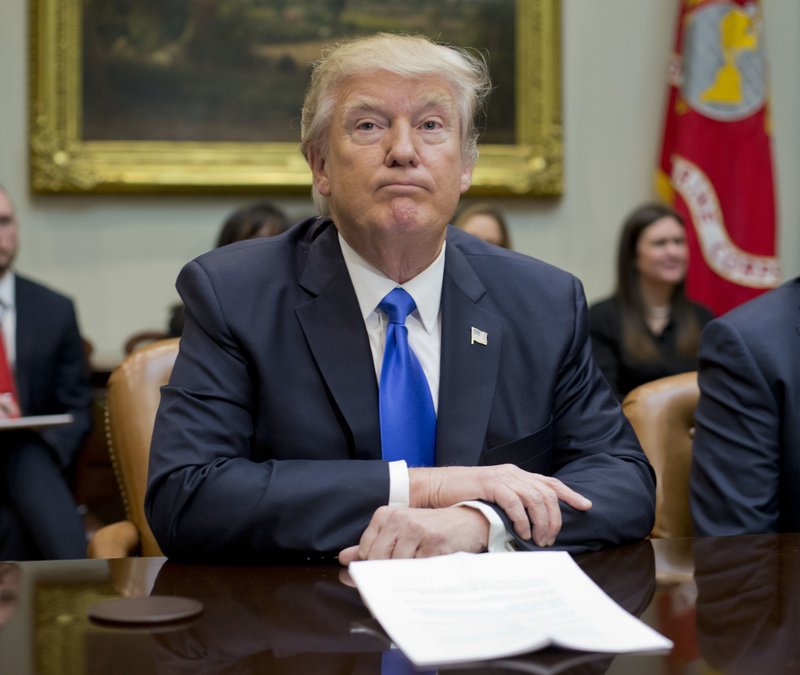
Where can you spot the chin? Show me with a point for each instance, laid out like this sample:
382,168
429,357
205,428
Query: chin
405,215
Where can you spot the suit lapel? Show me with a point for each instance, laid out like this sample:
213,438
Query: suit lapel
24,321
332,324
468,368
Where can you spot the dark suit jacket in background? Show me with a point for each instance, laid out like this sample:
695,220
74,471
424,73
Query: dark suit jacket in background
51,370
52,378
267,438
746,454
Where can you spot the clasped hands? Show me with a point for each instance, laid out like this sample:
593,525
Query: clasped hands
429,527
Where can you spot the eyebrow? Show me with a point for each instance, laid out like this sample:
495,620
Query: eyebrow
370,104
363,104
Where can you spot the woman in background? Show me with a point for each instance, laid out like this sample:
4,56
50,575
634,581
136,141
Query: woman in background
259,219
648,329
485,222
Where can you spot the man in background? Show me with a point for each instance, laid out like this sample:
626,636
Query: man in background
374,383
43,371
746,450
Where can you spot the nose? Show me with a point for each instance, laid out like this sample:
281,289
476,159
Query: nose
401,149
677,248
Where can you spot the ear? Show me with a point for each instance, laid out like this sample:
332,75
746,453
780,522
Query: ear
316,160
466,177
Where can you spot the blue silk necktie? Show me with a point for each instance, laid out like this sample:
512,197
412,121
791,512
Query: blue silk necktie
408,420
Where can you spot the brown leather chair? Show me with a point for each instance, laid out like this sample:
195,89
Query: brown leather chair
662,415
141,339
134,392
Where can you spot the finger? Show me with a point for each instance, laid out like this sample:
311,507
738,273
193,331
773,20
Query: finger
422,533
6,409
567,495
525,500
373,531
380,538
346,579
398,536
348,555
541,505
407,545
511,504
546,517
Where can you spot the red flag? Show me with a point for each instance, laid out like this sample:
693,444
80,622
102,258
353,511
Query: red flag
716,158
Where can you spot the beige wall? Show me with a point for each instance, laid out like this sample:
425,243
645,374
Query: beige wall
118,256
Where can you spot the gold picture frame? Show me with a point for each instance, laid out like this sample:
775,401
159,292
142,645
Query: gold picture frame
61,161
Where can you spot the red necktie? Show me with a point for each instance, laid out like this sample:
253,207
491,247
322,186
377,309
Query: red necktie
7,386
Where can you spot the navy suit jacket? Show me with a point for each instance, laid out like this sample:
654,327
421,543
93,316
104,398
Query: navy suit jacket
267,438
746,451
51,373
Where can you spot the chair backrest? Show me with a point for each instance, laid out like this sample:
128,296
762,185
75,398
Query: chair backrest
134,392
662,415
142,338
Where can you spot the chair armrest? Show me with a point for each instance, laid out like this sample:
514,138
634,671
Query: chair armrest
117,540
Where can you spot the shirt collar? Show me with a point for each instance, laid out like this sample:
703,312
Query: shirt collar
7,290
371,285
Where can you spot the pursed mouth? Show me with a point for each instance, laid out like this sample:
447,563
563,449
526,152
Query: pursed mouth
401,185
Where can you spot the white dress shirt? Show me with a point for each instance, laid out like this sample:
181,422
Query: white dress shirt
8,315
425,339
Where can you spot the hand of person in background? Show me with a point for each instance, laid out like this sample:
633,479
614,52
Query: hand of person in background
9,408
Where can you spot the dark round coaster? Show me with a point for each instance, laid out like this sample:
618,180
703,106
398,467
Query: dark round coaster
150,609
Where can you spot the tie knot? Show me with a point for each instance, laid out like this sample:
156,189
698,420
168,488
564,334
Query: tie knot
398,305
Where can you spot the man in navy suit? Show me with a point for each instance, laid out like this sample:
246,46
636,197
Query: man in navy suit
38,515
268,438
746,451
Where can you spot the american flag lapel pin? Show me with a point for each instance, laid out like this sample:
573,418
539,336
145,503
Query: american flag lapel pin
479,336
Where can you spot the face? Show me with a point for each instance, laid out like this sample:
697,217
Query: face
9,239
484,226
393,170
662,254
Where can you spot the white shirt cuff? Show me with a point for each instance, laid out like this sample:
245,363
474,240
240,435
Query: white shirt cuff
399,483
499,538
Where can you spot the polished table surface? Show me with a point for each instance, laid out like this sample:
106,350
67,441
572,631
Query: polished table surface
730,605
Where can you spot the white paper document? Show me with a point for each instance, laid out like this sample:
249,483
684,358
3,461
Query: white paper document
36,421
473,607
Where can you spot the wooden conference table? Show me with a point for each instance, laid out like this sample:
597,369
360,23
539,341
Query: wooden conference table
730,604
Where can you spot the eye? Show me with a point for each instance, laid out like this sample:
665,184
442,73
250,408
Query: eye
365,126
431,125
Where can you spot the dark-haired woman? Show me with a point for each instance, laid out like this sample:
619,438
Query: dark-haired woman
259,219
648,329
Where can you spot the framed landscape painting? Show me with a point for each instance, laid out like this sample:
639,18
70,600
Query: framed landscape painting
175,96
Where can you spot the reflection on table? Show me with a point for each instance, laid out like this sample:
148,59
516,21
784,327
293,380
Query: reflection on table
745,596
